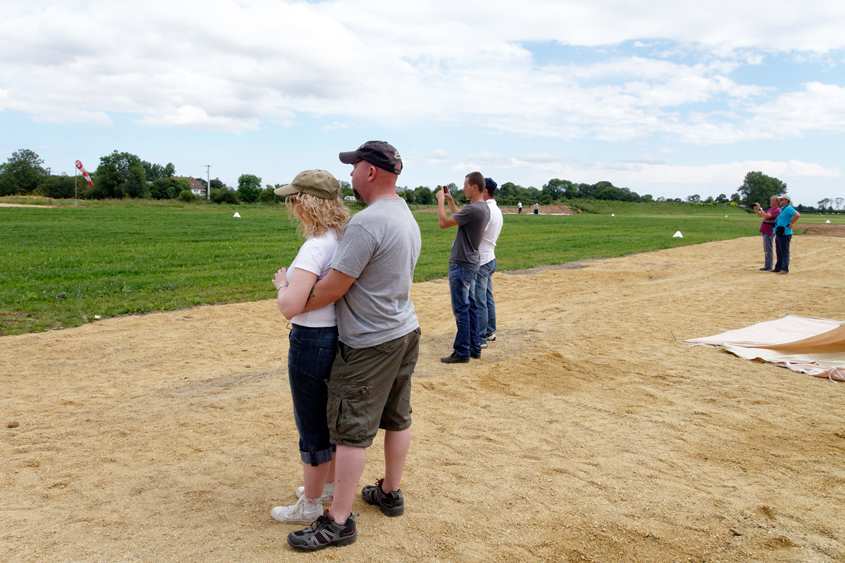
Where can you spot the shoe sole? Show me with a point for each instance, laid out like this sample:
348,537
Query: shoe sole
386,510
339,543
389,510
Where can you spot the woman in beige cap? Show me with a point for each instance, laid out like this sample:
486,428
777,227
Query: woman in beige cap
313,198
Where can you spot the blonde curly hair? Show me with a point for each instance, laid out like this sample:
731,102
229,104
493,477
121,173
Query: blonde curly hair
317,215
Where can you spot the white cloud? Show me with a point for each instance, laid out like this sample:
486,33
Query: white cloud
236,66
192,117
335,126
393,62
538,158
819,109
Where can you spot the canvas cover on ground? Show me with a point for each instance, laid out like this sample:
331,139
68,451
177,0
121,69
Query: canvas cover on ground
803,344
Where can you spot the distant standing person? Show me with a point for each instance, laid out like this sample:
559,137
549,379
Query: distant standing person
519,207
787,217
536,208
314,199
487,257
370,383
464,263
767,228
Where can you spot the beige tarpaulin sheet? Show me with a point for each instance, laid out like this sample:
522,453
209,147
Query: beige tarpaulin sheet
803,344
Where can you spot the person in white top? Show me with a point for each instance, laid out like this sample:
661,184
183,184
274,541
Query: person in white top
313,198
485,304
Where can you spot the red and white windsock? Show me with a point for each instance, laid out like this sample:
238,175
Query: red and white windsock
84,173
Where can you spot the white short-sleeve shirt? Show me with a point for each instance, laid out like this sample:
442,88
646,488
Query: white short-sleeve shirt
316,256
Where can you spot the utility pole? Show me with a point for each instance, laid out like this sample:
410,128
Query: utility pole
208,187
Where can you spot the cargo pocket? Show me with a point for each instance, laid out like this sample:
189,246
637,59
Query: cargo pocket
390,346
347,410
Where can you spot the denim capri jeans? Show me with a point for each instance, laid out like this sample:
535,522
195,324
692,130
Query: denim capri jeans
310,358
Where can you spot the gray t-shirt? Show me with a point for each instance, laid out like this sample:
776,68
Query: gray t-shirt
472,221
380,248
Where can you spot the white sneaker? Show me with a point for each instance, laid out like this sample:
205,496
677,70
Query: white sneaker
328,493
304,511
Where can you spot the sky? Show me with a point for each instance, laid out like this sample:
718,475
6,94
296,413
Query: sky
662,97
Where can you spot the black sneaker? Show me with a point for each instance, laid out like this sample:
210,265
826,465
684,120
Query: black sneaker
475,355
323,533
392,503
454,359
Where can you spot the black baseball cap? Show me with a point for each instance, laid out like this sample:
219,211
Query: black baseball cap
377,153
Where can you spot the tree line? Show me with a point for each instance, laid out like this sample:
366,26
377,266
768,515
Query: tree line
118,175
122,175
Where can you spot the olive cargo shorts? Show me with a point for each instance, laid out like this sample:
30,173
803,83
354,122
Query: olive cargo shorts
370,388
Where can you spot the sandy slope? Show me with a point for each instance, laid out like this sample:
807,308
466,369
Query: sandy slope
587,432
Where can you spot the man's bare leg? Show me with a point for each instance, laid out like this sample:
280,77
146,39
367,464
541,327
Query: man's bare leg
349,466
396,446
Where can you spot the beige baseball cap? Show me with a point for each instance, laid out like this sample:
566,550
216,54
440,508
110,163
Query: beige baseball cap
318,183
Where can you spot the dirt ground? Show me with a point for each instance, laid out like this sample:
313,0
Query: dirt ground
588,431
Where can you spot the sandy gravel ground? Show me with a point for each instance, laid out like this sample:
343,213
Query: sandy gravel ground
587,432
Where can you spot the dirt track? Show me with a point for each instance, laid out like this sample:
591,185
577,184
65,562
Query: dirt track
587,432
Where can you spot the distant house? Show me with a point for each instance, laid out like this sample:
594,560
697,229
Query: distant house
196,186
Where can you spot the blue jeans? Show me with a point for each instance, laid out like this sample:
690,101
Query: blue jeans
768,242
310,358
462,290
484,300
767,250
782,247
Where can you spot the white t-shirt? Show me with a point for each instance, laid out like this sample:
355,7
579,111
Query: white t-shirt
487,248
316,256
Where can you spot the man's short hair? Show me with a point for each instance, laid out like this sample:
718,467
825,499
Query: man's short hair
476,179
490,185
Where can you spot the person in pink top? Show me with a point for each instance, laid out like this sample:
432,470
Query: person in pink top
769,217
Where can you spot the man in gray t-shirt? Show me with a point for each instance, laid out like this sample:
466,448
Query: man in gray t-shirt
370,382
464,263
379,248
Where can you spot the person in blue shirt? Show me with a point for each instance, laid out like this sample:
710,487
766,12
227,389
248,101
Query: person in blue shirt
783,232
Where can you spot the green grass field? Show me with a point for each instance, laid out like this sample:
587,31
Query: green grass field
63,266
